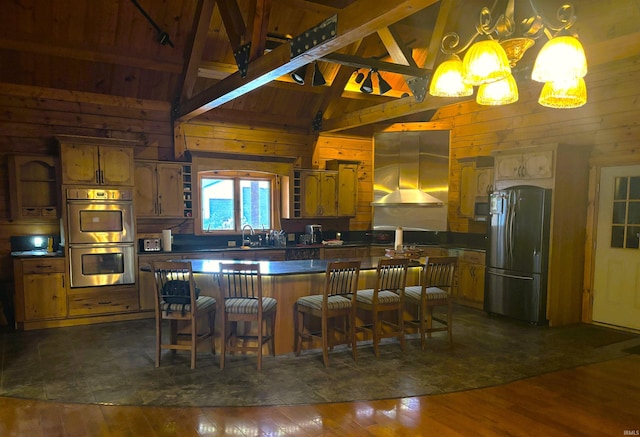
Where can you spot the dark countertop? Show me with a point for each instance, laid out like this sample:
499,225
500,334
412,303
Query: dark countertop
280,268
36,253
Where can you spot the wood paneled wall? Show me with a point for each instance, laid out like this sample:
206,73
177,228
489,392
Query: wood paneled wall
31,117
608,124
308,150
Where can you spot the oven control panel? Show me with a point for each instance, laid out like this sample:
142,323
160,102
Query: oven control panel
98,194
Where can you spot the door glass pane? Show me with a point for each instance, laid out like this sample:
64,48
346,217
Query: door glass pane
634,213
620,190
619,213
634,188
633,235
617,236
255,203
217,204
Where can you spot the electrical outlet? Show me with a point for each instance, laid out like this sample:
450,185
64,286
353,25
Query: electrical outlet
291,237
231,244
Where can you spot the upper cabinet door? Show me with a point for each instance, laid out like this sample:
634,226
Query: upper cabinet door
116,166
170,190
328,194
80,164
89,164
146,193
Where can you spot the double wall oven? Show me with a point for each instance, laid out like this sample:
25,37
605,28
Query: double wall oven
100,236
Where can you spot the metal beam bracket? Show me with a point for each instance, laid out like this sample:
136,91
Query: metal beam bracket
315,36
317,122
418,87
242,58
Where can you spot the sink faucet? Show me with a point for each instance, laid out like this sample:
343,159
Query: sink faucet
247,242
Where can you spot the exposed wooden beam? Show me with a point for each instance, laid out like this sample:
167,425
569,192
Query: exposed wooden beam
204,11
354,22
357,62
385,111
23,44
260,10
233,22
399,52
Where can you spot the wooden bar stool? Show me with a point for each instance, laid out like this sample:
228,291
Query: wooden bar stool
243,302
436,284
336,302
386,297
176,293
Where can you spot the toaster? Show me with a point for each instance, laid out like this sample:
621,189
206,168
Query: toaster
150,245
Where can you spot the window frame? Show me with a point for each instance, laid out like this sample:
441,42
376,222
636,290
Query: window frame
236,176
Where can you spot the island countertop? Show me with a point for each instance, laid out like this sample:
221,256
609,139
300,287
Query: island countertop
280,268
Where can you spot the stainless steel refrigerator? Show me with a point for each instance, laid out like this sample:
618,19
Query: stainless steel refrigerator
518,253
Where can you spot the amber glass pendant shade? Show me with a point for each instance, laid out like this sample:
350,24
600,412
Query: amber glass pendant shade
564,94
561,58
485,62
502,92
447,80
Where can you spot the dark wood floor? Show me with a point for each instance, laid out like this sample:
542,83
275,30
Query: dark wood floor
595,400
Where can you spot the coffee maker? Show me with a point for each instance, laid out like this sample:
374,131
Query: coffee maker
315,234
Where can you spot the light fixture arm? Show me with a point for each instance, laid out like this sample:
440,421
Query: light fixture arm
503,26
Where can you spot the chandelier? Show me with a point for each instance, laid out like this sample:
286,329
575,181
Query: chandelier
561,63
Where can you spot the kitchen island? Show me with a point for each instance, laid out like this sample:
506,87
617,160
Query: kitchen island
285,281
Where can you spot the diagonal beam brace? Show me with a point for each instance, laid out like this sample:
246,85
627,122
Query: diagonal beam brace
361,18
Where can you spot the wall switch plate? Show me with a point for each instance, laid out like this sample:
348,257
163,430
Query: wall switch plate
231,244
291,237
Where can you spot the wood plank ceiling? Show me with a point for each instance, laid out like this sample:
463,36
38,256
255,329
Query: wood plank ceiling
182,52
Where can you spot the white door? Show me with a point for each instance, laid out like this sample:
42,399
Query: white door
616,284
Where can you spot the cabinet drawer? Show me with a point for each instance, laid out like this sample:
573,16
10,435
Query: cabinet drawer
45,265
473,257
101,302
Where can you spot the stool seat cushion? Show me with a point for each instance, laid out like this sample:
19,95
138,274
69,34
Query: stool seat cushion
334,302
413,292
384,296
243,305
202,303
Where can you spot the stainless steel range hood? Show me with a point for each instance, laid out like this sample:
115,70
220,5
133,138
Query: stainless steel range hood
411,178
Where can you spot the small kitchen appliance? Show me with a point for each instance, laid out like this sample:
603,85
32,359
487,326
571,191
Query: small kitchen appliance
315,234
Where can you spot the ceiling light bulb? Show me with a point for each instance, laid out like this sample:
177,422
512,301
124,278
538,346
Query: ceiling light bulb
447,80
564,94
501,92
299,74
485,62
561,58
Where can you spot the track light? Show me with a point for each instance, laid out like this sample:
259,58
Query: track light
299,75
383,84
318,78
359,76
367,85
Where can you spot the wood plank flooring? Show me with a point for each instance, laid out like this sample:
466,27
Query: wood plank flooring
596,400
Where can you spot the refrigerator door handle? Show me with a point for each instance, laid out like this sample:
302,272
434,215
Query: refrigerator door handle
528,278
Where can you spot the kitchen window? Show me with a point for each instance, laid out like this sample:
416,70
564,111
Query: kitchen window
231,200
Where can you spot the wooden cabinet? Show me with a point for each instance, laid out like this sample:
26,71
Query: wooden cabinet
518,165
93,301
93,164
476,181
344,252
469,284
40,289
319,189
33,187
347,186
159,189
